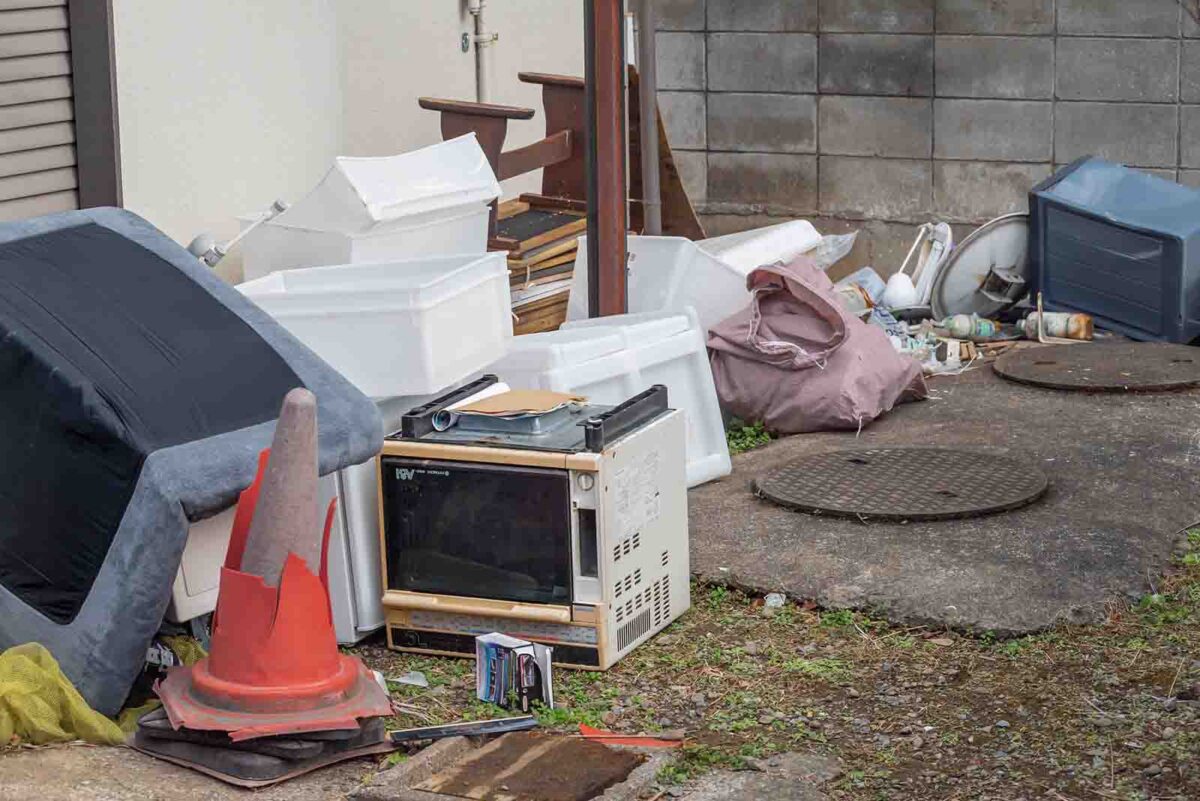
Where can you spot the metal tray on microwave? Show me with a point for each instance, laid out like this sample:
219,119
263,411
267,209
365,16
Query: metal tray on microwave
572,429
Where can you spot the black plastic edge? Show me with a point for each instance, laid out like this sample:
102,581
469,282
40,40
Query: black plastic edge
419,421
600,431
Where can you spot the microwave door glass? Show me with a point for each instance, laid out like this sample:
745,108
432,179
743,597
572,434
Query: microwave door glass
478,530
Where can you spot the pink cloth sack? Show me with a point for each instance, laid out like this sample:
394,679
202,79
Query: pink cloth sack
797,360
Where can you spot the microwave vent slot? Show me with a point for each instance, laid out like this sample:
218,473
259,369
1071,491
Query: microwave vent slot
636,628
629,582
617,552
627,546
637,539
637,576
618,588
662,600
666,558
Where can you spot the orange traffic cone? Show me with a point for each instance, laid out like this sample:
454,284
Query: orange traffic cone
274,666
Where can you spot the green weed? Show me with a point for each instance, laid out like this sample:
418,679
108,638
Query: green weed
837,618
833,670
744,437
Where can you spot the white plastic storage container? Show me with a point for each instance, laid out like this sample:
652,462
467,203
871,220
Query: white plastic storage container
428,202
396,328
611,358
670,273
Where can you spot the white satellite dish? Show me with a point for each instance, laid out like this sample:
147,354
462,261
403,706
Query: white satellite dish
987,272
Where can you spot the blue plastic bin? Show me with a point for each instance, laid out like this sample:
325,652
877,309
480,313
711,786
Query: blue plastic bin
1120,245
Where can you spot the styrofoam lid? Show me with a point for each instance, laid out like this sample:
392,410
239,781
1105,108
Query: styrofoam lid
749,250
357,194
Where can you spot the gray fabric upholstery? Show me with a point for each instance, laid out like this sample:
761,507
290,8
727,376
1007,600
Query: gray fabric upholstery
103,648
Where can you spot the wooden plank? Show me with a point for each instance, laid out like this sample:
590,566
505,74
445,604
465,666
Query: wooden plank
570,246
537,201
33,44
59,133
28,114
33,19
38,205
542,153
510,208
33,91
23,68
572,229
519,267
27,161
37,183
548,318
473,109
551,79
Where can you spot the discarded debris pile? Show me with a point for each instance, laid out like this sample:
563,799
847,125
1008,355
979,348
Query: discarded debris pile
274,670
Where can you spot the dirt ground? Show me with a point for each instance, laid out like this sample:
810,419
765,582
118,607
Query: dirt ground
1105,711
1109,711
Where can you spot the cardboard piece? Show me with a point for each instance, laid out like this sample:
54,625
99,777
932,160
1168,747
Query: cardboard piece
520,401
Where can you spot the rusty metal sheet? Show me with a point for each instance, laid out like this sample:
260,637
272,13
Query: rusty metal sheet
530,765
914,483
1104,367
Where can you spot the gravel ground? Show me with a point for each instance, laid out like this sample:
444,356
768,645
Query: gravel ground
1103,711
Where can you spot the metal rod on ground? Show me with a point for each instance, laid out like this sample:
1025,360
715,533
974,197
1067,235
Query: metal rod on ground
648,113
604,75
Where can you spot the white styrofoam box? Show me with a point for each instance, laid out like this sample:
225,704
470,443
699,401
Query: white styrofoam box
428,202
407,327
610,359
747,250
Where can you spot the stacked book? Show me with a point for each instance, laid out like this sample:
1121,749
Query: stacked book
512,673
542,242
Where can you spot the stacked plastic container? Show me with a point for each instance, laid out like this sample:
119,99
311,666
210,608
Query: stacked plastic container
611,358
672,274
382,271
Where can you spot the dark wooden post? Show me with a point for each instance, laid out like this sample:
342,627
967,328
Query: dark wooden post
604,46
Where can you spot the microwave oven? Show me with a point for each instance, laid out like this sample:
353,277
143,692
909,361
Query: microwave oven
567,529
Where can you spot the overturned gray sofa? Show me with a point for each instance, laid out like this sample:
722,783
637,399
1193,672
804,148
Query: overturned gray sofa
136,392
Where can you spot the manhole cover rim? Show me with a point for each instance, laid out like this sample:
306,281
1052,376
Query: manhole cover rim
1032,480
1096,367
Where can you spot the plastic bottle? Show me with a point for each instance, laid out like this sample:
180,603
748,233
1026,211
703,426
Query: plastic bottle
970,326
1063,325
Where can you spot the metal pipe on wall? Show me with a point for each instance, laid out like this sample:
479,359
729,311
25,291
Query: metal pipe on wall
483,42
604,76
648,116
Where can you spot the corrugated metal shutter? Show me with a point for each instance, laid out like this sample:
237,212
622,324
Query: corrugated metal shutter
37,131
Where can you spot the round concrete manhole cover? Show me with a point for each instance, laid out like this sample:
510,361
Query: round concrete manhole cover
1117,367
904,484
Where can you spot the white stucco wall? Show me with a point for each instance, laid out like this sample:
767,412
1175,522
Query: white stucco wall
223,105
395,52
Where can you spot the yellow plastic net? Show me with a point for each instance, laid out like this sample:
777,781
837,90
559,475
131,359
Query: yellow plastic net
39,705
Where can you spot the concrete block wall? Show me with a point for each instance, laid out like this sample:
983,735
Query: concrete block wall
888,113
